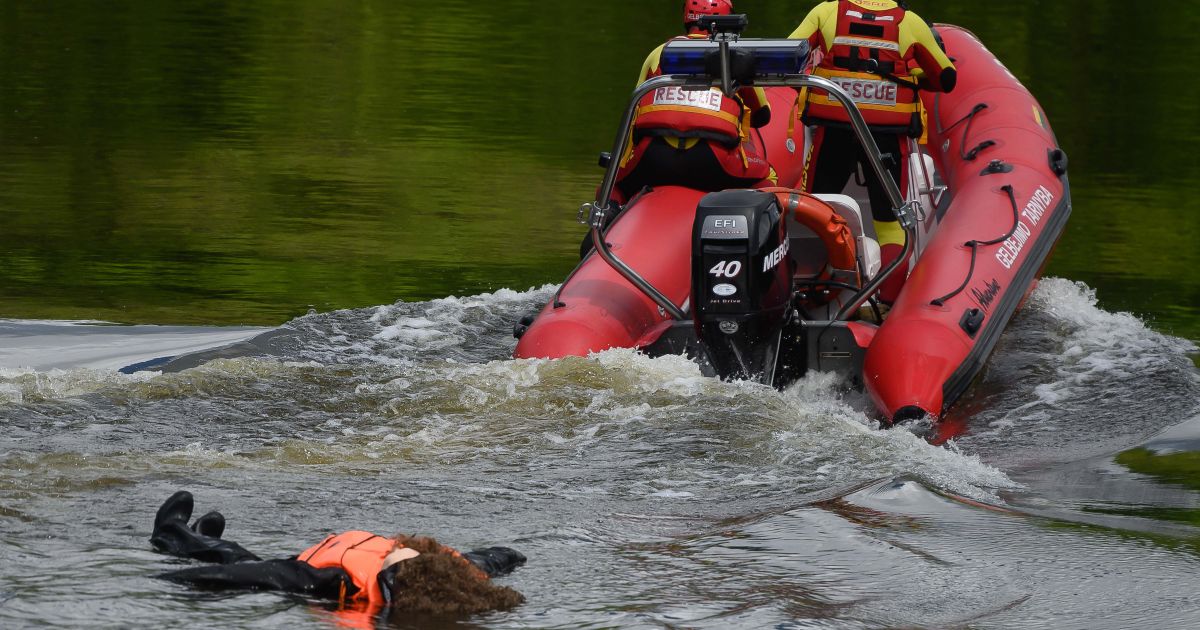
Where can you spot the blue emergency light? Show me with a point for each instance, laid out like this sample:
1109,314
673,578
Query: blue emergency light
748,57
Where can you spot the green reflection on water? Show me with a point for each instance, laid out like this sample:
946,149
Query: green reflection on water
244,162
1172,515
1189,544
1179,468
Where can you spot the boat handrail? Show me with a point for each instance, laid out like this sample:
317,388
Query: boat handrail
597,211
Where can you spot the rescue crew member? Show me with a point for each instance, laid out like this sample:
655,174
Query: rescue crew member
364,571
881,54
698,139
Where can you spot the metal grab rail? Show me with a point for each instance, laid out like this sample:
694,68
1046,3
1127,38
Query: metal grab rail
598,211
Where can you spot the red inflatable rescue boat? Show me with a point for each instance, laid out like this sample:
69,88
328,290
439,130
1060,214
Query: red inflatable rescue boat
769,284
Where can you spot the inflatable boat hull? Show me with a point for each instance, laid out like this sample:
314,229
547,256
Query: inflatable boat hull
1007,206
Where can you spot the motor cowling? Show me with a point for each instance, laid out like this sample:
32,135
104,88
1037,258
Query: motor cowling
741,282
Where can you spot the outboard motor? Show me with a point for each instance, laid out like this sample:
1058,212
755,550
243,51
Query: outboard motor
741,282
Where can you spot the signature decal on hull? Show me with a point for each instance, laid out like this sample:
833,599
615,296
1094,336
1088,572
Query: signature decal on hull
987,294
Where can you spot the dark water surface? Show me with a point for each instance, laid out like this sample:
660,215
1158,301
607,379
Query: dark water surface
232,162
242,163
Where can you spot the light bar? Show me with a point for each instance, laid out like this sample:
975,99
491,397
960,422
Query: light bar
703,57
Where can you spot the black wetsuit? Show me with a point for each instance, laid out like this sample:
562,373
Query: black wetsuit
237,568
841,155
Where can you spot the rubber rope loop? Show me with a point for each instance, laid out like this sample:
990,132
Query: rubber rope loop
970,118
974,153
974,110
974,245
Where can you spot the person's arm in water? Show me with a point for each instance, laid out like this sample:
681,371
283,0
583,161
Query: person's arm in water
288,575
291,575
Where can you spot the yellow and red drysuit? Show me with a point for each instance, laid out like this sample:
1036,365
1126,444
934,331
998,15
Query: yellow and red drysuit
881,54
695,138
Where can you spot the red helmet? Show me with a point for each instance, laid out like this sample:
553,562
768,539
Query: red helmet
693,10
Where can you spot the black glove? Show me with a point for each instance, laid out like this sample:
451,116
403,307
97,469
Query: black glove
496,561
201,541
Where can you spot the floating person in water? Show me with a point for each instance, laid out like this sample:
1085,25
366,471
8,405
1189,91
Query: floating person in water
363,571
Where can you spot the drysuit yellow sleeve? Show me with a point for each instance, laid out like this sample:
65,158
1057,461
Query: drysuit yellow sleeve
917,42
650,66
819,26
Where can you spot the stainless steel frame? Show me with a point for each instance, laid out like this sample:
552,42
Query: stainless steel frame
597,211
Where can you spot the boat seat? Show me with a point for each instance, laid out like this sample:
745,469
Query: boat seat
922,181
808,251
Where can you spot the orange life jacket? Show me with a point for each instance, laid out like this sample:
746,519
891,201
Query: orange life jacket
866,61
358,553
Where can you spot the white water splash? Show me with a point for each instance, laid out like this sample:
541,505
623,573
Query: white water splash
828,438
1099,342
19,386
442,318
1097,351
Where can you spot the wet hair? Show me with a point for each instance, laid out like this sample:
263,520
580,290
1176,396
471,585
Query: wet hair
441,581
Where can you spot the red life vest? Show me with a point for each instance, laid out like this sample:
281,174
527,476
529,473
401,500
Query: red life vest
358,553
690,113
866,61
688,117
674,111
